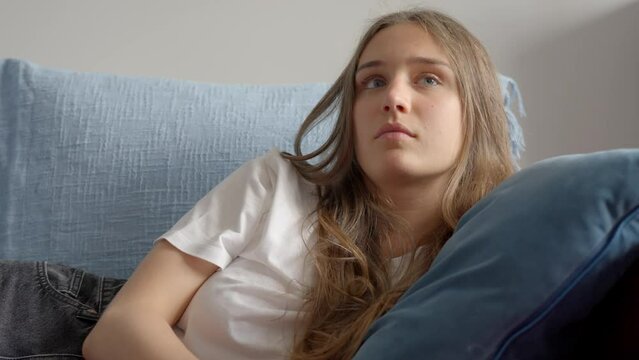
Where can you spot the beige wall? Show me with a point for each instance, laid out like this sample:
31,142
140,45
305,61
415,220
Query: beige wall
577,61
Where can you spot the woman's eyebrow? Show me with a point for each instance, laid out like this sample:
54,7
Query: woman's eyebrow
411,60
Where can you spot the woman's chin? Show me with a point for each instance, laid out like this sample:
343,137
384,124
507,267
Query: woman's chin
401,172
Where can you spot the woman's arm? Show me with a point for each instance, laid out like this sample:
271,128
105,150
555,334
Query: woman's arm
137,323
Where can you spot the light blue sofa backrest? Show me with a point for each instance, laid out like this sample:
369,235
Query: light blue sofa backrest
93,167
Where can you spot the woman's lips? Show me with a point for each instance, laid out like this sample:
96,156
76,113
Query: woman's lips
394,135
393,131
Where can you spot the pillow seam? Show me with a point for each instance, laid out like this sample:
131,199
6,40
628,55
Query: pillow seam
560,294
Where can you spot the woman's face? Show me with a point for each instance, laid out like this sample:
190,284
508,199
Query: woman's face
407,113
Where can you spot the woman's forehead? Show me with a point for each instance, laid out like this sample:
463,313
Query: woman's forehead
404,40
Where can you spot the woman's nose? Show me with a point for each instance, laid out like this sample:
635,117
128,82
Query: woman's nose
397,98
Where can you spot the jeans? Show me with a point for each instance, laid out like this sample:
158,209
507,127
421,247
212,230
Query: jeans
47,310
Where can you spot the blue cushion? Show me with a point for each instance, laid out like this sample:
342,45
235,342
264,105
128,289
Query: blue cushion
524,263
93,167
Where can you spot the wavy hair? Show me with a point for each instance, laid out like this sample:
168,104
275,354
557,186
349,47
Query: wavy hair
354,283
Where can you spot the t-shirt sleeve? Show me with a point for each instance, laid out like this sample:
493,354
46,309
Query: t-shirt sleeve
221,224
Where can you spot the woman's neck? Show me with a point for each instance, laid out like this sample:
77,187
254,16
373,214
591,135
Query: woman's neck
420,207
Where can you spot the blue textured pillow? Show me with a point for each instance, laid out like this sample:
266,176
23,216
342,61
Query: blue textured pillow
93,167
526,262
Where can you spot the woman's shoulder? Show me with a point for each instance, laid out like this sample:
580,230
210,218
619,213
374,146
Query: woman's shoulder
283,175
273,158
274,162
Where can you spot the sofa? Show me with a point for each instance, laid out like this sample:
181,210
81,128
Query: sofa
93,167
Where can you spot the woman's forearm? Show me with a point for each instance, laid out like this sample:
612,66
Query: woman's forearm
122,336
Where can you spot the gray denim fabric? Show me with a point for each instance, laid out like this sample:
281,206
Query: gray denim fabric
46,310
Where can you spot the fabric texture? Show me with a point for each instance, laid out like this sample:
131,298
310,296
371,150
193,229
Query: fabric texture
47,310
524,268
257,226
93,167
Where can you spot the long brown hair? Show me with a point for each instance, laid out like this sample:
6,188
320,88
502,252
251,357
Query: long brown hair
354,283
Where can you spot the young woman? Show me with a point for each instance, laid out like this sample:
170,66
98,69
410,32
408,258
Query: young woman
294,256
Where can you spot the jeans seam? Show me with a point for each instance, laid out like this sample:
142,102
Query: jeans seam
100,288
46,285
38,356
76,283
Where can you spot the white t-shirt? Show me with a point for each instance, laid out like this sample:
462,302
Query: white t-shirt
257,226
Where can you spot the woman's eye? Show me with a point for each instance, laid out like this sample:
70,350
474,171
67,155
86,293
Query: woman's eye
429,80
373,83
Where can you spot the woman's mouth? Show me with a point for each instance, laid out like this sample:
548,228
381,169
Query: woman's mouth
394,131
